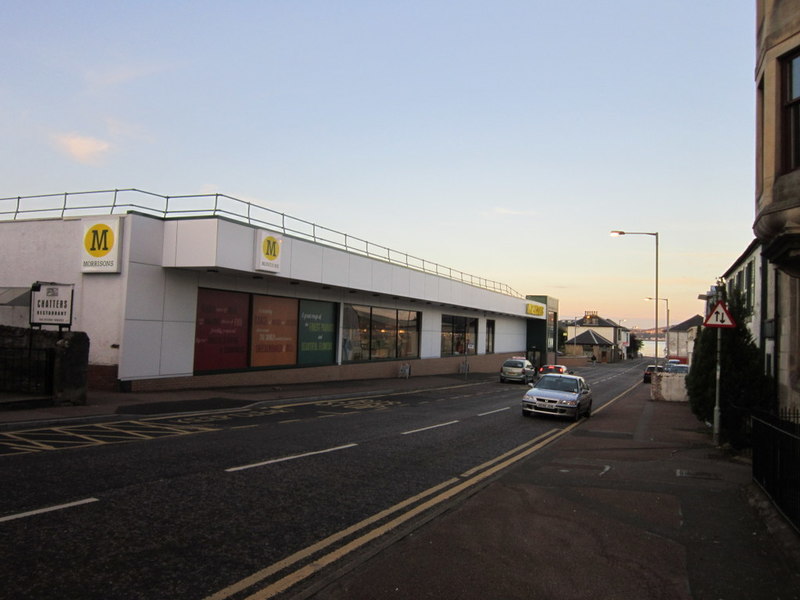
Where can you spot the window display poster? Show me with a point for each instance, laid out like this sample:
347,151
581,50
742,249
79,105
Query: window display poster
221,332
317,333
274,337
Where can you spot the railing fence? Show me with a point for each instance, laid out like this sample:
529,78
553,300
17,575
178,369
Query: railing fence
76,204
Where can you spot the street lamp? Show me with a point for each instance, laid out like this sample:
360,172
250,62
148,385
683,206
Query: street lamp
666,344
617,233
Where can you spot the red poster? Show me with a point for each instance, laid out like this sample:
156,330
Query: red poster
221,331
274,338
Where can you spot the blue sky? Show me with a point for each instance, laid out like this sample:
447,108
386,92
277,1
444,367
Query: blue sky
505,138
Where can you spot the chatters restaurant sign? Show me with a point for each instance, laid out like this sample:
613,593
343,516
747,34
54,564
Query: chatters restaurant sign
51,304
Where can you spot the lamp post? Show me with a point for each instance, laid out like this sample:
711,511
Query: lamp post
666,343
654,234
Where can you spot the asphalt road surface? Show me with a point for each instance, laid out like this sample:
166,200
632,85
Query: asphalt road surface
230,503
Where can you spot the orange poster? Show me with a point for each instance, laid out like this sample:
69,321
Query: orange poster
273,339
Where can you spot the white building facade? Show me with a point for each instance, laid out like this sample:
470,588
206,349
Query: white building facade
176,297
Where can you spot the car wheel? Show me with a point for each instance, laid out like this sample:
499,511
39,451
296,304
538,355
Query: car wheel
525,413
589,410
577,413
502,380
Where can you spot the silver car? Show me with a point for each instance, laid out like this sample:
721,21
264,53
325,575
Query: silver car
559,395
517,368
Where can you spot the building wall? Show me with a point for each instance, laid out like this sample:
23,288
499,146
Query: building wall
777,202
142,320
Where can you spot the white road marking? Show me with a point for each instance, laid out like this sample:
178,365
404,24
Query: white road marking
47,510
285,458
491,412
431,427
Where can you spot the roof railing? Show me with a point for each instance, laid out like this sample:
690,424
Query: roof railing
121,201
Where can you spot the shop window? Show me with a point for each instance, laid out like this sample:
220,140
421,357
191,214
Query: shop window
372,333
459,335
355,332
383,343
408,327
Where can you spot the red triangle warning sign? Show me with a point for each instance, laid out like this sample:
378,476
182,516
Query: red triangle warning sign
719,317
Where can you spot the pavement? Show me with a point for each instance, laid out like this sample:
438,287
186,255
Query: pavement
634,503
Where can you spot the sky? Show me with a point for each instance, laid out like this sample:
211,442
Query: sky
505,139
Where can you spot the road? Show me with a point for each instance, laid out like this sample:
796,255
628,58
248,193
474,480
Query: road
229,503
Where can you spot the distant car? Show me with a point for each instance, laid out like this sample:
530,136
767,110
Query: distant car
561,369
558,395
517,369
649,371
677,368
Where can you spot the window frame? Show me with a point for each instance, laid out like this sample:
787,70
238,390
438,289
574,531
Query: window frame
790,112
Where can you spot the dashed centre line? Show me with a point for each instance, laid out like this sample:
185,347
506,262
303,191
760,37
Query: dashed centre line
40,511
429,427
285,458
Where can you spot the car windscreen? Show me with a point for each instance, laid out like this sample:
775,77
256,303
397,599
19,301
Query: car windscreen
558,384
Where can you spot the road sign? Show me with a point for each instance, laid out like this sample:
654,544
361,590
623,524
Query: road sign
719,317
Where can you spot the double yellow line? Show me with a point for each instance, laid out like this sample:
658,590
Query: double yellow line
415,505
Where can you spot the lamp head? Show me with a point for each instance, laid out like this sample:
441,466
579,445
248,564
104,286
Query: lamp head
617,233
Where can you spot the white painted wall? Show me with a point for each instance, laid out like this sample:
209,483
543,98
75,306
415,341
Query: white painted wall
50,250
143,319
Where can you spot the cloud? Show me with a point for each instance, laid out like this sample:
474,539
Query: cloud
83,149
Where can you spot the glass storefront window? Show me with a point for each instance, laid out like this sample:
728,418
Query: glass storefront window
459,335
372,333
355,332
384,333
407,334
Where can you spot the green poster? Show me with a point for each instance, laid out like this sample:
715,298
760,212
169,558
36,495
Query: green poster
317,341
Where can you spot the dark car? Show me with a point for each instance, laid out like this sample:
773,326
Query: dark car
558,395
650,370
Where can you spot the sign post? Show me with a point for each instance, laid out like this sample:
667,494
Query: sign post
720,318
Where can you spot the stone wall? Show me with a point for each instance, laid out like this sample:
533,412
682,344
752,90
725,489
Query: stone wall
70,358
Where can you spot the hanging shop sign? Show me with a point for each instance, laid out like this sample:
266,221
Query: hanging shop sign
51,304
268,251
101,242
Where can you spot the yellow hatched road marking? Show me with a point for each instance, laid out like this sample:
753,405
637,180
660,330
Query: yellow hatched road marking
82,436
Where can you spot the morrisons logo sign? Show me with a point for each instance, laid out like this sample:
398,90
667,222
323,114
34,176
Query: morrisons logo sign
101,241
269,247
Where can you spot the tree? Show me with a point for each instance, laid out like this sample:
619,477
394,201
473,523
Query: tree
744,387
634,346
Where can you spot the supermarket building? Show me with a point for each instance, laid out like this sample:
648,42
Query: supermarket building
203,291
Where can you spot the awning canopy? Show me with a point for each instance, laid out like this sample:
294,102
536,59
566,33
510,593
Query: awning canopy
15,296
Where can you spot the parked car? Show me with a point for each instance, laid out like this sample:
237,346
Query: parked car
517,369
677,368
650,370
553,369
558,395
